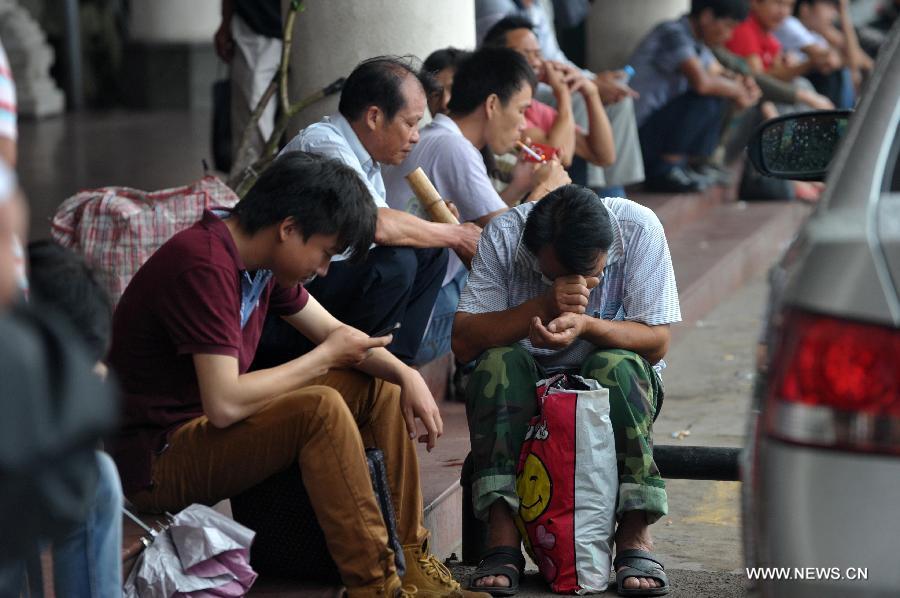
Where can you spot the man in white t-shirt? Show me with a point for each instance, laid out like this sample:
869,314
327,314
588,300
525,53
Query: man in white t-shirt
491,91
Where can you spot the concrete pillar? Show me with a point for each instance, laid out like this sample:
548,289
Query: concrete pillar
174,21
169,60
614,28
331,37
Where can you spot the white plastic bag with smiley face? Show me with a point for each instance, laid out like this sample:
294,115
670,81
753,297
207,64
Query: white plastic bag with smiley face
567,483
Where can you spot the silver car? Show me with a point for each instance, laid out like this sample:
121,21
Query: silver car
821,491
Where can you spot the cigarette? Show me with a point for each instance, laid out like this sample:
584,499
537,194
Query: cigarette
530,151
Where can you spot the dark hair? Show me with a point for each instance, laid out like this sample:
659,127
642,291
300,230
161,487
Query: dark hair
321,194
437,61
443,58
489,70
722,9
376,82
811,3
496,35
60,279
573,221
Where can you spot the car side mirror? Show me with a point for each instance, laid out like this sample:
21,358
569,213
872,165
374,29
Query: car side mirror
798,146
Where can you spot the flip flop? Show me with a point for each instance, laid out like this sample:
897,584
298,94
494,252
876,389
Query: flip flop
640,563
495,561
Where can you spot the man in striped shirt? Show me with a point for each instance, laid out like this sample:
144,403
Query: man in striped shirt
8,129
9,134
579,284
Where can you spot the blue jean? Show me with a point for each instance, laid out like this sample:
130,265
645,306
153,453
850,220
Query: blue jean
689,125
436,341
837,86
88,563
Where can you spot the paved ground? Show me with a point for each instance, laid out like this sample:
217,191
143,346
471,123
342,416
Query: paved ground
708,385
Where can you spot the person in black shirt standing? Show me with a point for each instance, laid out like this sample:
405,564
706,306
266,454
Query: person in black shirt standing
249,39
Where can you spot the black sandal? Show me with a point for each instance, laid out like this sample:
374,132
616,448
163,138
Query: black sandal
496,561
640,563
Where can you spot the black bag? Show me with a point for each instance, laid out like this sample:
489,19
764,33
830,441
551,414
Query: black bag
221,125
289,541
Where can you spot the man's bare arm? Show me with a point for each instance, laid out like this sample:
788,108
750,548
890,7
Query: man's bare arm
650,342
400,229
562,132
473,334
8,151
229,397
318,325
597,145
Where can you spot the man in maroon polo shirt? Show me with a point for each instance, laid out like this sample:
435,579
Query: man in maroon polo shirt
198,428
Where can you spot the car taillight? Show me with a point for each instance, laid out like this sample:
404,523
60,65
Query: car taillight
835,383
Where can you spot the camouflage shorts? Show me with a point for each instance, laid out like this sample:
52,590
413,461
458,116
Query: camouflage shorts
500,401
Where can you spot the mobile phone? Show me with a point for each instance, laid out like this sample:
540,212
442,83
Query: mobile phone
387,330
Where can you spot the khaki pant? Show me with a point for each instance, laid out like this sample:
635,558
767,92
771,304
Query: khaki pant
322,428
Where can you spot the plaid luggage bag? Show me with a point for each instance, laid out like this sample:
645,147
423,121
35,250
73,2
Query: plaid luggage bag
289,541
117,228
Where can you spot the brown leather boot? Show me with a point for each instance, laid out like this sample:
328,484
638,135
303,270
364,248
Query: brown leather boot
390,589
431,577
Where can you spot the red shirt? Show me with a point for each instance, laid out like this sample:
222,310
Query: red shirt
750,38
540,116
185,299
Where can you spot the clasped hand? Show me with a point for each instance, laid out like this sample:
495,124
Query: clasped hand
566,304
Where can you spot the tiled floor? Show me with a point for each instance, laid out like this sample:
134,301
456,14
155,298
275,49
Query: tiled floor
148,150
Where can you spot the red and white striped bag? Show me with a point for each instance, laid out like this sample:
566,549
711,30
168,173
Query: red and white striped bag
117,229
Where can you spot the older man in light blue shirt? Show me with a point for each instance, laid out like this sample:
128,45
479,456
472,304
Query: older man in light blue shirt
380,108
334,136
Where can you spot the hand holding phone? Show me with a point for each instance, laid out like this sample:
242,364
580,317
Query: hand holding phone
387,330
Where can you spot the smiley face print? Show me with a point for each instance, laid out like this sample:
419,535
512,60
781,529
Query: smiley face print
534,488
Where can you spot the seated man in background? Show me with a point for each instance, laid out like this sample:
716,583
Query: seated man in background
380,108
837,62
578,284
440,68
556,126
491,92
684,91
614,91
199,428
754,39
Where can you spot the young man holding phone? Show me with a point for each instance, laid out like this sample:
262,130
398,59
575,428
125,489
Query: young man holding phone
199,428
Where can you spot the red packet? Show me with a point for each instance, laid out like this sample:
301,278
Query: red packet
546,152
